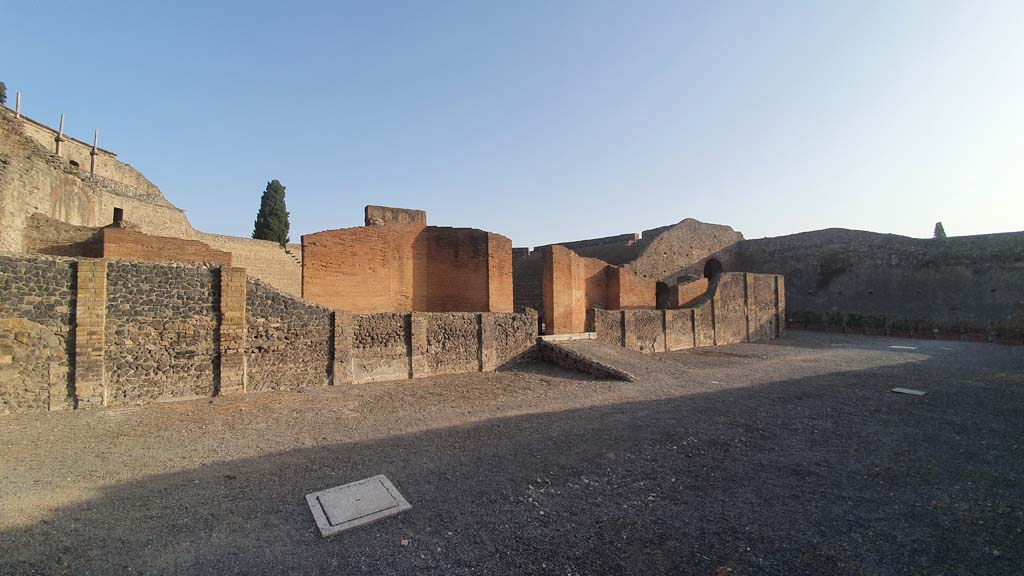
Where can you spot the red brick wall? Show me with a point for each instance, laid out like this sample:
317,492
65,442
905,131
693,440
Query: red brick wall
499,273
126,244
683,295
572,284
627,291
408,267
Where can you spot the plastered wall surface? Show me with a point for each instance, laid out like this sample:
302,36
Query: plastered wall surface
91,332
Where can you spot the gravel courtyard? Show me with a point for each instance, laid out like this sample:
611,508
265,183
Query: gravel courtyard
790,457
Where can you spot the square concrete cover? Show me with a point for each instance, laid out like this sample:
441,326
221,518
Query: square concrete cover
343,507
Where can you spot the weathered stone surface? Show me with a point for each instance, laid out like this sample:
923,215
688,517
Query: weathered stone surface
679,329
289,344
380,347
160,331
33,368
730,309
453,344
644,330
607,324
507,338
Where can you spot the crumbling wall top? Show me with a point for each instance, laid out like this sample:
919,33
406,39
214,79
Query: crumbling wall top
384,215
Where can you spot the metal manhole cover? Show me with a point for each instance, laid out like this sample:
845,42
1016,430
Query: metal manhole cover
343,507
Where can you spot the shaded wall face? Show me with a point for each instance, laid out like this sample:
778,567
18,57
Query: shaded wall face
451,270
573,284
400,268
971,284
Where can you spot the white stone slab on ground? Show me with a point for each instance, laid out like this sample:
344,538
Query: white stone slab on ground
355,504
908,391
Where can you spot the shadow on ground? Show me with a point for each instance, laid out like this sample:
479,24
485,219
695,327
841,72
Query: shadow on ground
825,475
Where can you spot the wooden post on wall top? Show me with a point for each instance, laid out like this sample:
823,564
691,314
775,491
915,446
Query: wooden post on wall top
92,154
60,134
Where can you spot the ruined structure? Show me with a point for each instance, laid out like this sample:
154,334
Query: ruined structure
57,193
969,287
81,332
397,263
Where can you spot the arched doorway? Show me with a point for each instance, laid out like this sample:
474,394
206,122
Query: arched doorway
712,268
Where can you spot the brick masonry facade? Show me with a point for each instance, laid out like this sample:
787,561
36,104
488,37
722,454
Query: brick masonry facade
407,266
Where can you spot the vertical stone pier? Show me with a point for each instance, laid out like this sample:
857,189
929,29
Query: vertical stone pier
233,368
341,370
90,324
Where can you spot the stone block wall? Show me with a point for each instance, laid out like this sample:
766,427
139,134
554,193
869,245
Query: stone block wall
92,332
738,307
384,215
160,331
289,340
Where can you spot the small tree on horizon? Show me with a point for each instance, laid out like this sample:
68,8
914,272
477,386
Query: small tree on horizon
3,93
272,219
940,232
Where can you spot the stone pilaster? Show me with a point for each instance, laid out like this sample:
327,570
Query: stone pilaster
90,324
485,332
233,365
341,369
418,367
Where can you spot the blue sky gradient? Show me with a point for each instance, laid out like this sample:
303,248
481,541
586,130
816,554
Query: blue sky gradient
548,121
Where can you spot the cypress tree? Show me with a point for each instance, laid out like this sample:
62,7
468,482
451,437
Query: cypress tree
3,93
272,219
940,232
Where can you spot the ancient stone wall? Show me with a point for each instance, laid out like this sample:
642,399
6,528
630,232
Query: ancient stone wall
35,181
406,267
384,215
37,306
737,308
93,332
161,322
45,235
681,249
77,155
289,340
969,285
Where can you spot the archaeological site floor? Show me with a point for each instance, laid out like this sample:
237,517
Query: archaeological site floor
789,457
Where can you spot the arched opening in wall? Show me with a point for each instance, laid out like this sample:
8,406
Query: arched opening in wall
73,164
712,268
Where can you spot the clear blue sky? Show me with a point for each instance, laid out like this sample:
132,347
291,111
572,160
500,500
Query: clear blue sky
548,121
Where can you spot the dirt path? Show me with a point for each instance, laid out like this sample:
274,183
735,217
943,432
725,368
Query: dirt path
781,458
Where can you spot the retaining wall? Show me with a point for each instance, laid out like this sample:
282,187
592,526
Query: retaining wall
738,307
91,332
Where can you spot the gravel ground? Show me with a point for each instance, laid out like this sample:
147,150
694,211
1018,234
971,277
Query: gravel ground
788,458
